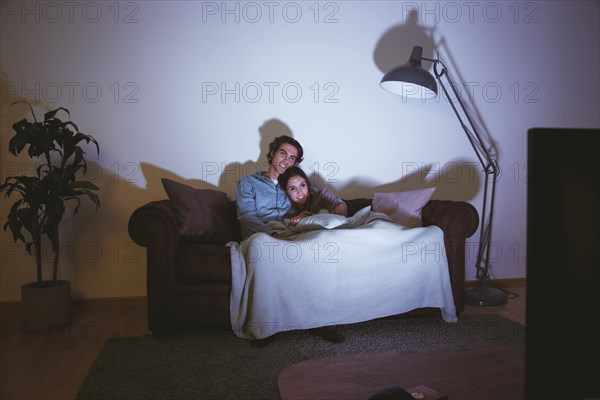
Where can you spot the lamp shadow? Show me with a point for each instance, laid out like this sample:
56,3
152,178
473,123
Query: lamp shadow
394,47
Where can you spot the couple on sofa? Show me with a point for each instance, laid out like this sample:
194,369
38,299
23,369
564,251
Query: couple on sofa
282,191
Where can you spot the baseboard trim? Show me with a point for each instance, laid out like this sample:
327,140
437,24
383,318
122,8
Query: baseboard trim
111,302
97,303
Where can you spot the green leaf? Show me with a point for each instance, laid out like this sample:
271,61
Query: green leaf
84,185
50,114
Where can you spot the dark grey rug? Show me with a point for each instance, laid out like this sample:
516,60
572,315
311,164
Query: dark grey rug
219,365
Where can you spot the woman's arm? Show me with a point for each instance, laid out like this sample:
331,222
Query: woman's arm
294,220
324,198
341,209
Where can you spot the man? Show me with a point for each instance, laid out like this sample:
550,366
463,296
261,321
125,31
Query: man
259,197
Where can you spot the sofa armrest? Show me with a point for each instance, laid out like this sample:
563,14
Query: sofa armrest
154,226
153,219
459,216
458,220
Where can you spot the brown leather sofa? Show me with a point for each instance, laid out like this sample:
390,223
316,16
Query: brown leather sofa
189,281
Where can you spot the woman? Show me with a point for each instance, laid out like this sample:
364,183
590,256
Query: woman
307,200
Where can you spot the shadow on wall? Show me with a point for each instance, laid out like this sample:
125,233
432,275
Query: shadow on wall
395,46
232,173
457,180
9,115
229,174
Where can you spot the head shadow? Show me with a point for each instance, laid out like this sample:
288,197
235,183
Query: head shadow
226,175
231,173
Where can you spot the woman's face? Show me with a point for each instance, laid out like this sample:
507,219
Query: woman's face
297,189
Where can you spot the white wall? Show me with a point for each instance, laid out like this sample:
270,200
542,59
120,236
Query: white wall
184,89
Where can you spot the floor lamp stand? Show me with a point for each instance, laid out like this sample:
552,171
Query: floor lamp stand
481,294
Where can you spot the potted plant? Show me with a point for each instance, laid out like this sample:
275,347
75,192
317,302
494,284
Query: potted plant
55,146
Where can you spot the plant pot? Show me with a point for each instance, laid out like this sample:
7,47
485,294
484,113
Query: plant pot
46,305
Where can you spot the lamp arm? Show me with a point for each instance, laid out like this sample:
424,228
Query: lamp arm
485,159
490,169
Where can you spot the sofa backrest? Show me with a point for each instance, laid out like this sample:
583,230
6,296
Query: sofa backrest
355,205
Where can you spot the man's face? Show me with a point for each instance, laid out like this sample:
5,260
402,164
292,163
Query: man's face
284,157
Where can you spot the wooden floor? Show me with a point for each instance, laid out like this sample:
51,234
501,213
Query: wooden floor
52,364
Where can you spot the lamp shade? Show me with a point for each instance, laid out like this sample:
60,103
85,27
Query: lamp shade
410,79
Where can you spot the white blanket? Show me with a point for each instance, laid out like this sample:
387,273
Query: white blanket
367,269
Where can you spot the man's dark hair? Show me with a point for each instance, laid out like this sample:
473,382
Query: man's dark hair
279,140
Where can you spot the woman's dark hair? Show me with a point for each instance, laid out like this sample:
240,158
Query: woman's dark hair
289,174
279,140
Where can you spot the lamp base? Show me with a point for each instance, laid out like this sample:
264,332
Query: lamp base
482,295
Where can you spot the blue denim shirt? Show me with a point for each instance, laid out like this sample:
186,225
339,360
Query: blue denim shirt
260,200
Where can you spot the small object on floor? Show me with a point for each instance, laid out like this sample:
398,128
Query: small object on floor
392,393
328,334
260,343
421,392
426,393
